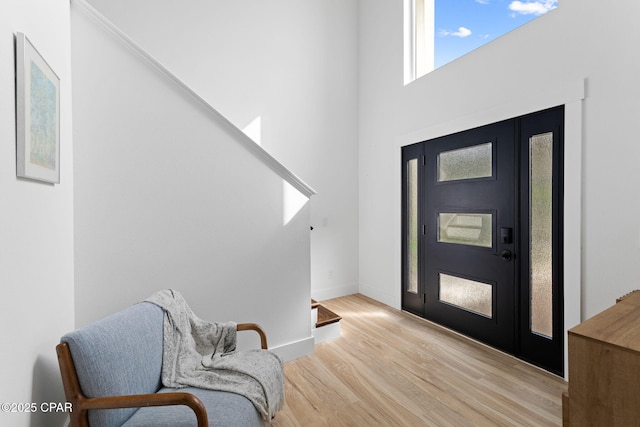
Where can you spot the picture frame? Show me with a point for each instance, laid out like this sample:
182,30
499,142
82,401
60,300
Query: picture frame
37,115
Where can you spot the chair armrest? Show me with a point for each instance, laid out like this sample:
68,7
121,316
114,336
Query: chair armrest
145,400
258,329
81,403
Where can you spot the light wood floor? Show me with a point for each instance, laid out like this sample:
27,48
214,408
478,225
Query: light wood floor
390,368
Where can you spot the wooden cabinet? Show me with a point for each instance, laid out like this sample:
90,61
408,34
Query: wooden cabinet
604,368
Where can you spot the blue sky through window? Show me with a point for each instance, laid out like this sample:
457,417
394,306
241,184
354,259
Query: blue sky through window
464,25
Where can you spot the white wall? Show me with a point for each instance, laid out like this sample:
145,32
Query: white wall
36,226
166,197
292,63
535,62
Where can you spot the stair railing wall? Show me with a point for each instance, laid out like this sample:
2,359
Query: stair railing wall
170,194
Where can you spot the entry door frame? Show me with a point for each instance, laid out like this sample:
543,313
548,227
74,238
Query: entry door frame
571,94
513,324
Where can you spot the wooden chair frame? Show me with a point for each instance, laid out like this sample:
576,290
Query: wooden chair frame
82,404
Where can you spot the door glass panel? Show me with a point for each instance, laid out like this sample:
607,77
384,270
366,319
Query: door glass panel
466,229
412,225
466,163
541,232
467,294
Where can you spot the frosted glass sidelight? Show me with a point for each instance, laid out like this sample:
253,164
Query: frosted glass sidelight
541,233
467,294
412,221
466,163
466,229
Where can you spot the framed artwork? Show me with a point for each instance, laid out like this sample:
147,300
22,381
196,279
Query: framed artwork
37,115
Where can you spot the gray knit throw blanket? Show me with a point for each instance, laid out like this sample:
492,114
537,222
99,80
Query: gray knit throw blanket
203,354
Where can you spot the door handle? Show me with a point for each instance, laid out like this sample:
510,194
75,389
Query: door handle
506,255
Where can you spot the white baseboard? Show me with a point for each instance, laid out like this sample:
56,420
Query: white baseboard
335,292
389,299
295,350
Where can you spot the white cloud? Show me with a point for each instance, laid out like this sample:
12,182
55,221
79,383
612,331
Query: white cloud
538,7
462,32
482,1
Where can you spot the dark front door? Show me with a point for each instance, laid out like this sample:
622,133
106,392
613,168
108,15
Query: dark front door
469,271
479,235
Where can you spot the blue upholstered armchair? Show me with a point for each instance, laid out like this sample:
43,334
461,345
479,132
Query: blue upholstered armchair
111,373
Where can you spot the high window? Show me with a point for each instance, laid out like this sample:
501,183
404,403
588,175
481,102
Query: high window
439,31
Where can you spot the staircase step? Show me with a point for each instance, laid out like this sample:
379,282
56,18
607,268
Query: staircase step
326,323
326,316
